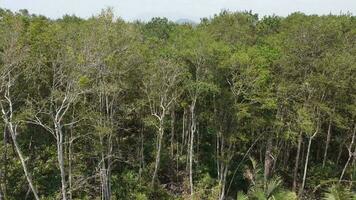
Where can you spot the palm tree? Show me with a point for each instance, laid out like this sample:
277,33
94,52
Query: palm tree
338,192
258,190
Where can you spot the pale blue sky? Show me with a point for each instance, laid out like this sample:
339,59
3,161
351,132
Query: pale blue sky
176,9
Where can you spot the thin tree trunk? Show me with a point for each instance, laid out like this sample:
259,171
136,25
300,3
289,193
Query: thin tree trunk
173,116
60,158
225,167
223,183
354,157
7,117
191,165
340,152
70,158
344,169
141,154
350,155
22,159
286,156
159,147
197,146
220,164
327,143
302,161
105,193
268,160
261,154
306,164
183,132
188,146
191,150
108,172
104,183
3,176
277,155
296,166
1,188
27,193
353,166
177,158
218,152
241,161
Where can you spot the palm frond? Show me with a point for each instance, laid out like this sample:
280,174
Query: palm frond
272,186
338,192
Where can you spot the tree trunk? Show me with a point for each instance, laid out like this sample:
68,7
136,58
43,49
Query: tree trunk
70,158
142,158
1,188
296,166
218,136
220,162
279,146
287,156
327,143
173,116
159,147
105,188
22,159
191,150
351,153
223,183
306,164
354,157
344,169
340,152
108,171
7,117
353,166
183,131
268,160
104,184
224,170
60,157
3,175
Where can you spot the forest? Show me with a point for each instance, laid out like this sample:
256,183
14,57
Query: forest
235,107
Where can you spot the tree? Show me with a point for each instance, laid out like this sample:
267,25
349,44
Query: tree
160,85
12,61
50,111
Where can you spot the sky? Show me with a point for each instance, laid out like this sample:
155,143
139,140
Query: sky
177,9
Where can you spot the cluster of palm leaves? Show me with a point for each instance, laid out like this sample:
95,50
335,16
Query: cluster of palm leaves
339,192
272,189
260,189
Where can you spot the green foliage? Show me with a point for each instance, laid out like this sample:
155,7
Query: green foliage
207,188
261,190
103,93
305,121
338,192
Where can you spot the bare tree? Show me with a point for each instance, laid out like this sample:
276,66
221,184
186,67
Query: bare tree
161,88
197,86
311,137
7,115
109,86
50,112
13,58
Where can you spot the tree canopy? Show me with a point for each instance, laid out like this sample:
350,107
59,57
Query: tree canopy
235,107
